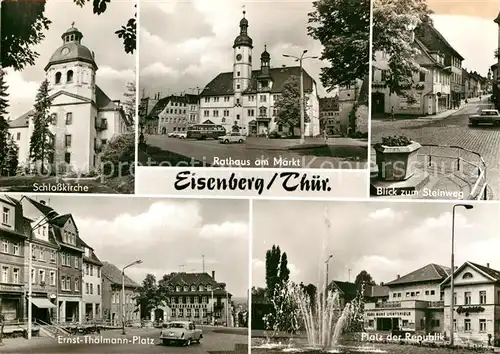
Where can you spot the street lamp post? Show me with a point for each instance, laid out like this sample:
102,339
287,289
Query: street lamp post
452,297
45,220
302,118
326,281
123,292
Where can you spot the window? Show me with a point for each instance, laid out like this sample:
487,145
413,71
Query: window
77,284
91,270
454,325
263,111
91,288
67,157
427,292
33,277
52,279
69,76
18,136
6,216
58,78
251,112
482,297
16,249
5,274
41,276
15,275
216,113
76,262
467,276
53,256
204,312
5,247
467,325
262,98
238,86
69,118
238,73
181,313
454,298
86,269
98,289
41,255
237,101
87,288
67,142
482,325
467,298
433,292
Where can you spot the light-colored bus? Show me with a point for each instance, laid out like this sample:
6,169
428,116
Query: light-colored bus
205,131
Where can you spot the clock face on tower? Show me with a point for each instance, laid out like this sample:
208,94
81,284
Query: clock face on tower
238,57
65,51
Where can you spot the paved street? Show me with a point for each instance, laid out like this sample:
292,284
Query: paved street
181,152
452,130
139,341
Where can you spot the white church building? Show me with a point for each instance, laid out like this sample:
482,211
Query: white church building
244,98
84,118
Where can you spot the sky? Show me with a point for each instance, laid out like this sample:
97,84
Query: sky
168,235
185,44
385,239
468,26
116,67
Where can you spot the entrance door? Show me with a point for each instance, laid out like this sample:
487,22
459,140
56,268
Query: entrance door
378,103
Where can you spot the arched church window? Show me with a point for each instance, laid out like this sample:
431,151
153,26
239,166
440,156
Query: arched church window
69,76
58,77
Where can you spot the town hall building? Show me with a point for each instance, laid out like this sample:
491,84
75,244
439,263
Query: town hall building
83,117
244,99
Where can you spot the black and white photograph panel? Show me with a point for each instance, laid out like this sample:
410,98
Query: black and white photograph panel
67,100
273,84
382,284
435,122
102,274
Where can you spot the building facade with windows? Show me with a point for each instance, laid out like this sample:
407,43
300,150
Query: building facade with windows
197,297
113,304
415,303
430,92
13,235
476,304
174,113
83,118
244,99
91,285
329,116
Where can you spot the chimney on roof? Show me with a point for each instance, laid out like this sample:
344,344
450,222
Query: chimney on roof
43,202
487,265
213,274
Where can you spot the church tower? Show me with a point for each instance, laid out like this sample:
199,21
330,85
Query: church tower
72,67
242,58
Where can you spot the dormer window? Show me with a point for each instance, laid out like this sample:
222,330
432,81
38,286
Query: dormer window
186,288
467,275
193,287
177,288
69,76
209,287
200,288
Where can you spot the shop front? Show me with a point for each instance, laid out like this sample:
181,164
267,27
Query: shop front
395,320
11,304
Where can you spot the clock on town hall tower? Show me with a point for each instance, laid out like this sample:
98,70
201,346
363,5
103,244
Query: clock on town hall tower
242,68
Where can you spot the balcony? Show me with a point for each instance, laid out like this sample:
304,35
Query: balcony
101,125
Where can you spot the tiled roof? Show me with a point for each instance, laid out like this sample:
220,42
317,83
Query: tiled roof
163,102
61,220
347,288
190,279
103,102
44,209
22,121
491,272
92,259
222,84
377,291
427,32
114,275
428,273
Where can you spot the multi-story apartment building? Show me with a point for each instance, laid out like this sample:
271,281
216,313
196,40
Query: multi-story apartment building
198,297
430,92
92,285
476,304
415,303
175,113
83,117
115,309
436,42
14,231
244,99
61,228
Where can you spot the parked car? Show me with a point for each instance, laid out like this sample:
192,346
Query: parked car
232,138
172,135
181,135
486,116
183,332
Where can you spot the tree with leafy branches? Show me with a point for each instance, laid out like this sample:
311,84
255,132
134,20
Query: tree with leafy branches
288,105
150,297
4,126
130,103
394,25
343,28
24,24
41,141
